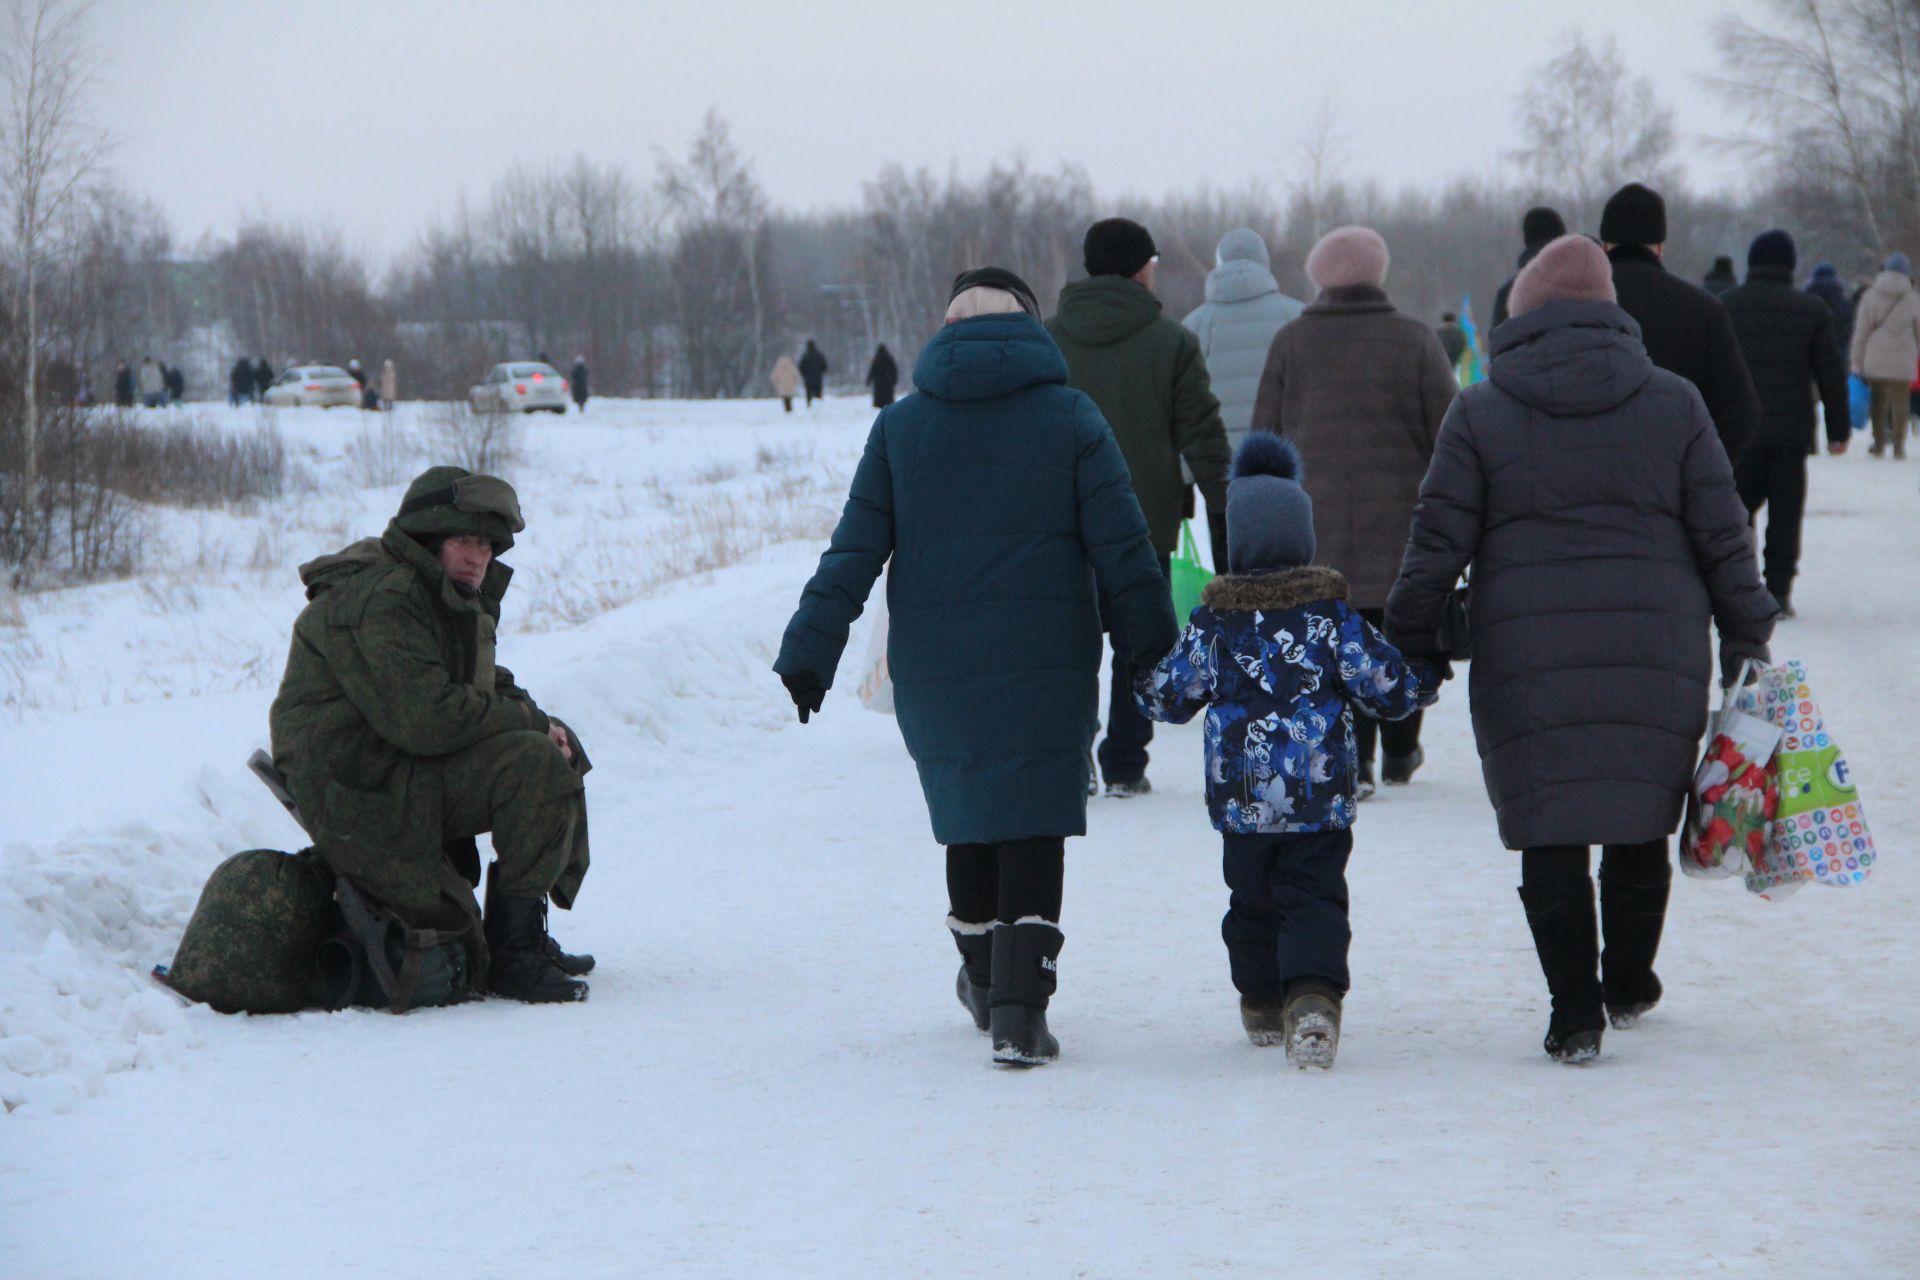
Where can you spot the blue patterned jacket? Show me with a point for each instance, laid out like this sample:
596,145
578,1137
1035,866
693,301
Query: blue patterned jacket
1276,659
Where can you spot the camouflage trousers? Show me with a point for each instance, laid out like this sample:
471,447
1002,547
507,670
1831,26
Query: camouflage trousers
521,789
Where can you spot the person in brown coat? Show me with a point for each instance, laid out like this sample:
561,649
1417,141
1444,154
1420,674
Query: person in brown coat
1360,388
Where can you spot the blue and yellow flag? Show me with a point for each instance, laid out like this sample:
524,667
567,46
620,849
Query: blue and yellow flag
1473,363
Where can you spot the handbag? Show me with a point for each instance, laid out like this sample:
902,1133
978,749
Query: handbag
1186,576
1456,622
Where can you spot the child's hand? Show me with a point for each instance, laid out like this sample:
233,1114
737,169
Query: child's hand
1434,669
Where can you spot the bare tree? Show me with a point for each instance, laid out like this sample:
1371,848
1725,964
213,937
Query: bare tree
1322,151
48,148
1590,126
720,217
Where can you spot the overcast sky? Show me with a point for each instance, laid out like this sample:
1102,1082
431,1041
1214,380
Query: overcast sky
374,115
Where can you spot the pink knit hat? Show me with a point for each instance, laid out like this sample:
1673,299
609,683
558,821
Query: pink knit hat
1348,256
1572,267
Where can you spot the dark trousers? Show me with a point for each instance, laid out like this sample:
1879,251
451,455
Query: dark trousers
1287,914
814,392
1560,865
1397,737
1008,881
1123,752
1776,478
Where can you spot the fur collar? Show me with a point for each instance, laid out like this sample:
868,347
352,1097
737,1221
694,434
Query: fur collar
1271,592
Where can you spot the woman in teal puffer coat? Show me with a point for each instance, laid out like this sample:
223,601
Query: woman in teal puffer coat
1002,501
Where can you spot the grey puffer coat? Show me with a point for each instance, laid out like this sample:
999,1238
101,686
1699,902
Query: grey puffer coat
1236,324
1595,503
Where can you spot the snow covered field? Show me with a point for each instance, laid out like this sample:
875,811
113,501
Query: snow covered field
773,1078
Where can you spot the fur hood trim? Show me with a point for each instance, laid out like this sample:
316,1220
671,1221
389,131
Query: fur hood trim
1271,592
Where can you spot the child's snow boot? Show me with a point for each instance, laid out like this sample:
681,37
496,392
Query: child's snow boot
974,985
1397,771
1568,943
1311,1023
519,966
1264,1021
1024,957
1631,919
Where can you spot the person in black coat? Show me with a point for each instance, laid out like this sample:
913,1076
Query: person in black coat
1787,337
577,382
1721,278
122,385
1825,284
813,372
240,382
176,383
262,378
1590,494
1540,227
1685,329
883,375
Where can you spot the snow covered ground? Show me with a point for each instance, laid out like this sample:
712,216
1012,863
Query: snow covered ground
773,1077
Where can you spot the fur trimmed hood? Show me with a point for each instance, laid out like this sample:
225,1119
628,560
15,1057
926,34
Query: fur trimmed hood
1272,592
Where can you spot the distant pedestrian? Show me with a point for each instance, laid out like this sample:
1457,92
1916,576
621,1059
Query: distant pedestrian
176,383
1721,278
262,378
240,383
883,375
1787,337
1886,350
359,374
577,382
1539,228
813,371
1453,338
1236,324
1684,328
1360,387
786,381
389,385
1825,284
153,383
122,385
1592,498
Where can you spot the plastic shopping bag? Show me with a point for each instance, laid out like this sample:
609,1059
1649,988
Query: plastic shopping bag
1859,400
1735,794
1818,832
876,678
1187,576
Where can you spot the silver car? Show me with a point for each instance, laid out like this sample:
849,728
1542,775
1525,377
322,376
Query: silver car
520,387
314,384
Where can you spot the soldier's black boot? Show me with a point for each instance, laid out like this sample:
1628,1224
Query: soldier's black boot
1568,942
573,966
520,967
1024,960
1632,916
974,985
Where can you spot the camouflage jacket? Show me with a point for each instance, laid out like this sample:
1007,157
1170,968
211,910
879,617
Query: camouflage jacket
391,667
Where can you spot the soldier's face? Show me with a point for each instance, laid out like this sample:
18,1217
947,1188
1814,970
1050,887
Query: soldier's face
465,559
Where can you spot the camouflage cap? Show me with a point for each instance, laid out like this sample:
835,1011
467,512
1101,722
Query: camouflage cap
448,501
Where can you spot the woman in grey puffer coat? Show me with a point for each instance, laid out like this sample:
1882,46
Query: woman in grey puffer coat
1594,501
1236,324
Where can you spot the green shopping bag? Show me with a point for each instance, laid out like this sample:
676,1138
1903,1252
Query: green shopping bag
1187,575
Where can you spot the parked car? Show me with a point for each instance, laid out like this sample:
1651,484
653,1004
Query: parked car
314,384
520,386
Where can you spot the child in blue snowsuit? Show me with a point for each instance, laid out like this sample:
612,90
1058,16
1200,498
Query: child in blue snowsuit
1277,656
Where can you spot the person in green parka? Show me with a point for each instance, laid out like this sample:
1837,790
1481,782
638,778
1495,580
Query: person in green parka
1146,374
999,501
402,738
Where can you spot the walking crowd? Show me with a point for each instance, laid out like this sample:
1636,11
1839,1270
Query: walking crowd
1580,523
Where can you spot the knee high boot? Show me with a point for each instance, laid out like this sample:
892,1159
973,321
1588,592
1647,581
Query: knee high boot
1566,938
974,985
1024,966
1632,916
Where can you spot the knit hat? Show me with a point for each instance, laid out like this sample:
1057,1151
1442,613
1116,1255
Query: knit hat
445,502
1634,215
1269,516
996,278
1348,256
1772,249
1541,226
1573,268
1117,247
1723,265
1898,262
1242,244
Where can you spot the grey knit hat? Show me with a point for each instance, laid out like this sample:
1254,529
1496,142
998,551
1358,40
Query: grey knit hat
1269,516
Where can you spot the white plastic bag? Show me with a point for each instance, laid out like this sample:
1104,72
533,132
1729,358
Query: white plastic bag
876,680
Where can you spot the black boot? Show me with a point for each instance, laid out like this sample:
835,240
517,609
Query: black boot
1024,958
1398,771
573,966
974,985
520,967
1631,919
1568,944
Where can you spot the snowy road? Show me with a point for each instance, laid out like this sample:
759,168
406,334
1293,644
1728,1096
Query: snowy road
773,1077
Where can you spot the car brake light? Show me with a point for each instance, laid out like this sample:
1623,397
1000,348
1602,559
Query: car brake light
521,387
313,386
538,376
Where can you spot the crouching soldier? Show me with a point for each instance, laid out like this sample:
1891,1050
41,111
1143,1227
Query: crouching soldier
402,739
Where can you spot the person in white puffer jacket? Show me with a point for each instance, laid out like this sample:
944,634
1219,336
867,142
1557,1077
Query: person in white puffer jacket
1236,324
1886,348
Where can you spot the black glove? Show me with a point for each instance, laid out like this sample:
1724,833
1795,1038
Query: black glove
806,691
1438,663
1735,652
1217,526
